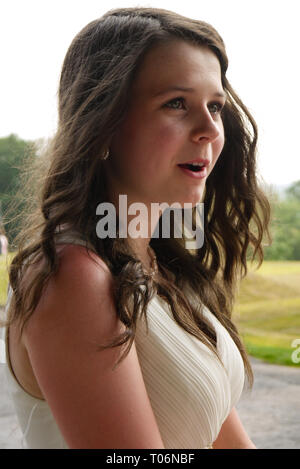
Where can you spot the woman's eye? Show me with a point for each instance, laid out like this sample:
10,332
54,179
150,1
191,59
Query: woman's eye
179,104
216,108
176,103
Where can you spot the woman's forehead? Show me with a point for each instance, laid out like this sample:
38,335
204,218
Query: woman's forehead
177,63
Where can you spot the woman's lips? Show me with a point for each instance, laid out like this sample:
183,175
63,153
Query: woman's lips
194,174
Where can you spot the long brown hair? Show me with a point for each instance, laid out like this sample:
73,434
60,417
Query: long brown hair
96,79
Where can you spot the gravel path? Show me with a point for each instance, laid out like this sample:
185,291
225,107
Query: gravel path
270,413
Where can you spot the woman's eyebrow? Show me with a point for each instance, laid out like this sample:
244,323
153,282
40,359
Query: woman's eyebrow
219,94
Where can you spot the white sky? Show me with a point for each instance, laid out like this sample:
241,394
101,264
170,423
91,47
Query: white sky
262,39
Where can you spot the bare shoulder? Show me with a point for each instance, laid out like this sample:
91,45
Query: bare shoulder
82,283
95,406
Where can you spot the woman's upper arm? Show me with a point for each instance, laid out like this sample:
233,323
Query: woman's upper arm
233,434
93,405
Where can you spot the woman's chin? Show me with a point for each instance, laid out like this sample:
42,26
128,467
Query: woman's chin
194,199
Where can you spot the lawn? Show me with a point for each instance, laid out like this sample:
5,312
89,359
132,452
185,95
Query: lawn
4,262
267,310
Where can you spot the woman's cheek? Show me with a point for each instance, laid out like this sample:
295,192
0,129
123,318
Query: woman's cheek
218,146
220,141
167,138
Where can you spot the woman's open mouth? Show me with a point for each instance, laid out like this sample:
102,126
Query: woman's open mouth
197,171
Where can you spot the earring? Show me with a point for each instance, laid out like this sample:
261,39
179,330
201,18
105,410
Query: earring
105,155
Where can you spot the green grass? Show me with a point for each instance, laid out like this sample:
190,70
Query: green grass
277,355
267,310
4,263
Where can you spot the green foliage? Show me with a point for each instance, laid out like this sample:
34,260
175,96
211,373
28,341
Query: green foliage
294,190
14,152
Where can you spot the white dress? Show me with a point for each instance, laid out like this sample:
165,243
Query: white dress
190,392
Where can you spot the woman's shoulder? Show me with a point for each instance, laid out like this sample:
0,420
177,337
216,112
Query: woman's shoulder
72,256
80,291
77,313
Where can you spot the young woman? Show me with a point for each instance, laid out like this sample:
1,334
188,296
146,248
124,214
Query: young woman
124,341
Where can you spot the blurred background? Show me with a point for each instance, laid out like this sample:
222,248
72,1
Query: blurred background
262,39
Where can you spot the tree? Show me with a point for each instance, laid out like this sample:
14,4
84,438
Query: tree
294,191
13,153
285,227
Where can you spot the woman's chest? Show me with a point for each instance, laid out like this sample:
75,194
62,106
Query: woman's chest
189,389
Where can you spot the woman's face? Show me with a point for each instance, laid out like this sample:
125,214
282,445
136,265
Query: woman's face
173,118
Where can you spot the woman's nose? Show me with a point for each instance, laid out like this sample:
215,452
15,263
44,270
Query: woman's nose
206,127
